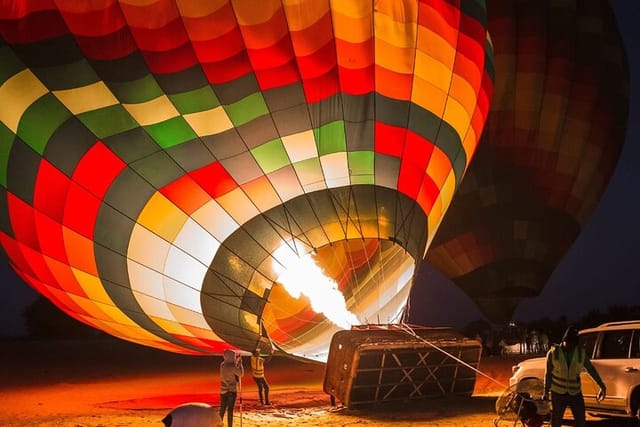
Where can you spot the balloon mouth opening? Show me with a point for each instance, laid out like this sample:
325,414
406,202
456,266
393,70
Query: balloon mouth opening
335,287
360,244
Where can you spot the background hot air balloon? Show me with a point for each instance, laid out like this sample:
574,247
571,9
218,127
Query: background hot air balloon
556,127
186,174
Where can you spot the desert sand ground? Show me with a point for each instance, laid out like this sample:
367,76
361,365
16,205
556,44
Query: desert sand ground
109,383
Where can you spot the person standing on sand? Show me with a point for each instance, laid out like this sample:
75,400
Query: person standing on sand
562,378
231,370
257,369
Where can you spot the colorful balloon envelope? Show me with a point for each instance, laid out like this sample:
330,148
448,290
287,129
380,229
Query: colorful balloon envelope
195,176
555,130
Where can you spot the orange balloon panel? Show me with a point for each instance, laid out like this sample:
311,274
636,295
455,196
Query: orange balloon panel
554,133
157,155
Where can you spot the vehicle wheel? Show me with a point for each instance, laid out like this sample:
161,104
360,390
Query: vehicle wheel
635,406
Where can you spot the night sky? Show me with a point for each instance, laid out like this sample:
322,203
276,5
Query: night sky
601,269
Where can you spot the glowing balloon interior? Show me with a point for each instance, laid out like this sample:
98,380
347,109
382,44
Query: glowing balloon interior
189,175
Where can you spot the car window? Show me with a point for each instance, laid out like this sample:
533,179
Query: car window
588,341
615,344
635,345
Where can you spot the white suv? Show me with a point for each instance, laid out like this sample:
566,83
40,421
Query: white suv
614,349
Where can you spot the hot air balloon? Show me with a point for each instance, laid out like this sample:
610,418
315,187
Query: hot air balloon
189,175
555,130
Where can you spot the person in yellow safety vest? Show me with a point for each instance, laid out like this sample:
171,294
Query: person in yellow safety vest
257,369
562,378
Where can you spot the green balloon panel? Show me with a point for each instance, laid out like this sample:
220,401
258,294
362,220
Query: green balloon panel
155,154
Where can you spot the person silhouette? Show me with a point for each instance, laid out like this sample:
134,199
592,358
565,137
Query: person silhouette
562,378
257,369
231,370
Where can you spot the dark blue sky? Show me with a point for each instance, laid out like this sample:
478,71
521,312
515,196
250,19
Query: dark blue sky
601,269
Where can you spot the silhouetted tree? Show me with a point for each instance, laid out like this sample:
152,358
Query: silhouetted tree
592,318
619,313
477,327
45,320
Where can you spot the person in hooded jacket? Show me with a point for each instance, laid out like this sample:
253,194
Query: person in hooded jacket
562,378
231,370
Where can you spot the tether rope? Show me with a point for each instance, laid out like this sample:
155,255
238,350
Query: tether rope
407,329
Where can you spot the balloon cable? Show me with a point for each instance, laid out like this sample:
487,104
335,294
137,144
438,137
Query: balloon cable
264,333
407,329
240,387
